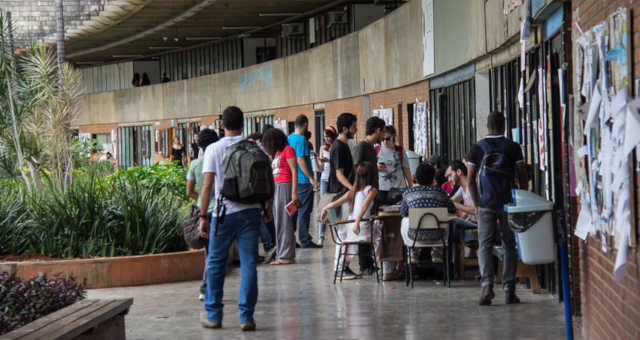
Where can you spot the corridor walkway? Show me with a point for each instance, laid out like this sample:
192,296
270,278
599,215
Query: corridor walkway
300,302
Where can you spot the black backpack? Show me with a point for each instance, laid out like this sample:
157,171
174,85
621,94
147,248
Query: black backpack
495,176
247,176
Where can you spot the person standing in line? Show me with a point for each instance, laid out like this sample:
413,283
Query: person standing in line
323,162
306,181
241,222
285,173
365,152
177,151
195,149
394,176
492,166
194,185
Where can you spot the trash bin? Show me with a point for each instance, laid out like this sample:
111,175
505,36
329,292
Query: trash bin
414,161
530,218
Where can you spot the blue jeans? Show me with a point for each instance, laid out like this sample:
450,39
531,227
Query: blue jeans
242,226
305,195
267,231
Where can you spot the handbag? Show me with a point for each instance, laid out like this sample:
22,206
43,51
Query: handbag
192,229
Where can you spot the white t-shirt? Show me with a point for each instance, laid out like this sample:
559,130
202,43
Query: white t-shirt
466,200
326,167
213,163
393,176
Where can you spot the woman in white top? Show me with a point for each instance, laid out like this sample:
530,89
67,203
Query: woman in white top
323,162
362,198
393,167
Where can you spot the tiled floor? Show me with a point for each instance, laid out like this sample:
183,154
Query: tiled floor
301,302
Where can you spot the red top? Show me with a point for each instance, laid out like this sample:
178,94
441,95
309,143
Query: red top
284,176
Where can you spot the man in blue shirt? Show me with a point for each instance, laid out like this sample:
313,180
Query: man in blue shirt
306,181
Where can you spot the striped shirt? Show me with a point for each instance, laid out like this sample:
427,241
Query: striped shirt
425,197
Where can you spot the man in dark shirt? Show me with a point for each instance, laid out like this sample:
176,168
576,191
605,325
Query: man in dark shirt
492,220
365,152
341,172
341,162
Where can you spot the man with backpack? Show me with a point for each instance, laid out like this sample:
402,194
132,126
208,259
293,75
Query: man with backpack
241,172
492,166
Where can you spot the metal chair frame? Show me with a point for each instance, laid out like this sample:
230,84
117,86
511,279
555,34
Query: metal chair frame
343,253
445,246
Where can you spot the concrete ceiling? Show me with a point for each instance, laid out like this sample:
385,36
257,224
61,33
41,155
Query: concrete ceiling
144,27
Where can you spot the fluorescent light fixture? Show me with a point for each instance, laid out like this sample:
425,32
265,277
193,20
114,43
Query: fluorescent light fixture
163,47
127,55
201,38
278,14
229,28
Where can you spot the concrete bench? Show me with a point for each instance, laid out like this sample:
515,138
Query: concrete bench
83,320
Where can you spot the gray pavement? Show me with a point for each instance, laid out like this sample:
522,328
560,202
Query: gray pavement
301,302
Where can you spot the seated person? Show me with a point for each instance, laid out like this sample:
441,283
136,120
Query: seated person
457,174
361,199
424,194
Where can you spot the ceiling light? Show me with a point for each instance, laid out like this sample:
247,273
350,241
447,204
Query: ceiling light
163,47
176,39
227,28
201,38
278,14
127,55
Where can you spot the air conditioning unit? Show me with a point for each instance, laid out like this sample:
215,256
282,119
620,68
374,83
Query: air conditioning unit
292,29
336,18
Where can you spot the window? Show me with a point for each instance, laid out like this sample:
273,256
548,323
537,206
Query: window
452,120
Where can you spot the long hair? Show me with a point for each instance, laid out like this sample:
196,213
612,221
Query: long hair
366,174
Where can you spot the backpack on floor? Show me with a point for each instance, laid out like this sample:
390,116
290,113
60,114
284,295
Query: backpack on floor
495,176
248,175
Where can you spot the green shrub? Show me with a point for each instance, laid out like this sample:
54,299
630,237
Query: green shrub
22,302
103,214
156,178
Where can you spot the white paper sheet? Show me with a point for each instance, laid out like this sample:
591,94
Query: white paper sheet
632,126
521,94
583,151
583,225
594,109
619,101
620,266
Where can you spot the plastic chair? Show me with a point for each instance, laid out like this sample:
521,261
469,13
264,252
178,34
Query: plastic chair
428,218
334,224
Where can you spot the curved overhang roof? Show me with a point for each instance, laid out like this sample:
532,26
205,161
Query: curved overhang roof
135,28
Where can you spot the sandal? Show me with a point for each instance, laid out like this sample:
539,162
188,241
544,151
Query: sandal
283,262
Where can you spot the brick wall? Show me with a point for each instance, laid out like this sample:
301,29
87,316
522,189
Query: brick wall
401,97
36,19
610,310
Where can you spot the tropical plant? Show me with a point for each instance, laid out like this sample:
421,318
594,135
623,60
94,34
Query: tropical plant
157,177
38,103
21,302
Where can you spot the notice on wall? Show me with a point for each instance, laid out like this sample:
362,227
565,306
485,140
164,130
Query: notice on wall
385,114
610,122
420,129
428,41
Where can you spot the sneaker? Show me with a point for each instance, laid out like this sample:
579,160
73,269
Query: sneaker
201,297
349,274
511,298
436,255
206,323
486,296
313,245
270,255
248,327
